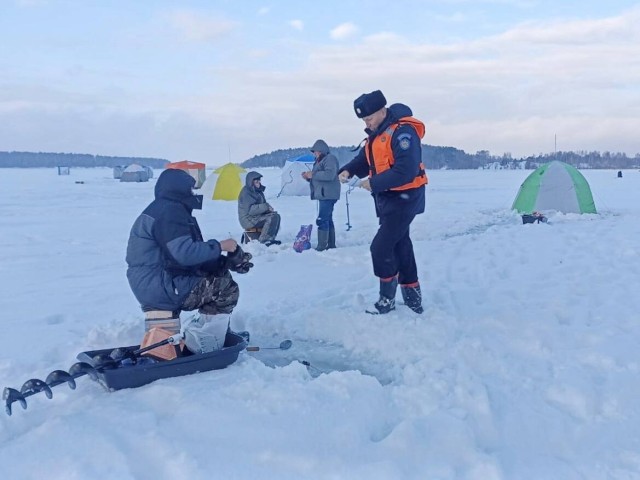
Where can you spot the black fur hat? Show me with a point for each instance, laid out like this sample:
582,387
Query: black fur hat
369,103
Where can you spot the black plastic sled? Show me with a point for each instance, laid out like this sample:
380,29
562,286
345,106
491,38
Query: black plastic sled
147,370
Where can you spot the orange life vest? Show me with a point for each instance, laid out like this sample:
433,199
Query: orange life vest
382,152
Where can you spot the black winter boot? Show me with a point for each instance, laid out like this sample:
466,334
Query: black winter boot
323,240
387,300
412,296
332,237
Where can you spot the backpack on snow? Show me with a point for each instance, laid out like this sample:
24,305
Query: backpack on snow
533,218
303,238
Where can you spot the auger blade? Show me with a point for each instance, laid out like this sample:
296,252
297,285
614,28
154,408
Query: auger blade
10,395
60,376
34,386
104,362
122,354
83,368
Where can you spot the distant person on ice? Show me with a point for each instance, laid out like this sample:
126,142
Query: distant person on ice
391,158
325,187
255,212
171,267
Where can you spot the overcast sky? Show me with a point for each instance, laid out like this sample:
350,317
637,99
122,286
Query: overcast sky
214,81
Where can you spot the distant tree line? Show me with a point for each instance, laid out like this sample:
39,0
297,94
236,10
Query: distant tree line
584,159
42,159
435,158
452,158
278,157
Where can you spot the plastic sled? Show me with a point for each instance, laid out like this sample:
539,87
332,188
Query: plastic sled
130,375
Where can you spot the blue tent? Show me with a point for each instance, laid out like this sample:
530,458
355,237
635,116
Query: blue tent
307,158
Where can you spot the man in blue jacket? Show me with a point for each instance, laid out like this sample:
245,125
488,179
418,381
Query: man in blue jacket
390,162
170,266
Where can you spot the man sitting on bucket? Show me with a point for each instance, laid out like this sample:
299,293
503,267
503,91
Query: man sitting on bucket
255,212
171,268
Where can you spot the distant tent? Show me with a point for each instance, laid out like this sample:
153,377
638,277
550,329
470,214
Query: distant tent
149,171
292,182
555,186
117,171
134,173
195,169
224,183
64,170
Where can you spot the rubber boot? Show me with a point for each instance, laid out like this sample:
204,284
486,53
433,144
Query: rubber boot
332,237
387,300
412,296
323,240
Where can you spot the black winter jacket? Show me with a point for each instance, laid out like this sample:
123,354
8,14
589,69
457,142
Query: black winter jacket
166,253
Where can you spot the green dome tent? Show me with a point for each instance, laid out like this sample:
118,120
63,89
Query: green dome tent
555,186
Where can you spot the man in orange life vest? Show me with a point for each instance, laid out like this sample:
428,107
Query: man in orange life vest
391,158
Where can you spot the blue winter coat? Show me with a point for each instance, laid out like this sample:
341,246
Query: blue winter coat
166,253
407,163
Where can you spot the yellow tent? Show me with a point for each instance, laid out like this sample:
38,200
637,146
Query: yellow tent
224,183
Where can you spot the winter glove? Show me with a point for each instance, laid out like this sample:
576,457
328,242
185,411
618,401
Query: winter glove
239,261
216,267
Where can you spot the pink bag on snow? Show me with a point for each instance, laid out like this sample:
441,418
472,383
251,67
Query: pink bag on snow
303,238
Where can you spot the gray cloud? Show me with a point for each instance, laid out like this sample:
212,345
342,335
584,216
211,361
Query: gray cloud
504,93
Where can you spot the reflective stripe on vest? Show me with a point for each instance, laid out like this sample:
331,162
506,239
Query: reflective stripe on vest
380,149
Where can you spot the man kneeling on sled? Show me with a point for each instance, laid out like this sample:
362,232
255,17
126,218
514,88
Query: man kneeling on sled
171,268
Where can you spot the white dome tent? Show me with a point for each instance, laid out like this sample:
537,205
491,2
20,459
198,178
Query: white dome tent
292,183
134,173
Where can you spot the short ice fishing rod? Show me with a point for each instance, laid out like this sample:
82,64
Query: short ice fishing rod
284,345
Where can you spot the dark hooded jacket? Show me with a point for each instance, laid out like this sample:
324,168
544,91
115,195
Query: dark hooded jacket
405,168
166,253
252,204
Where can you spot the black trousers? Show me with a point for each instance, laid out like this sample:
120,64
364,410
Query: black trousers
392,250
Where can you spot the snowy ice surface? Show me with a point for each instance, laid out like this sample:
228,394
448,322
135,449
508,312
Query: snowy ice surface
525,364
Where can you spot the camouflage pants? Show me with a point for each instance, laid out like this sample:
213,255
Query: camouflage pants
213,295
